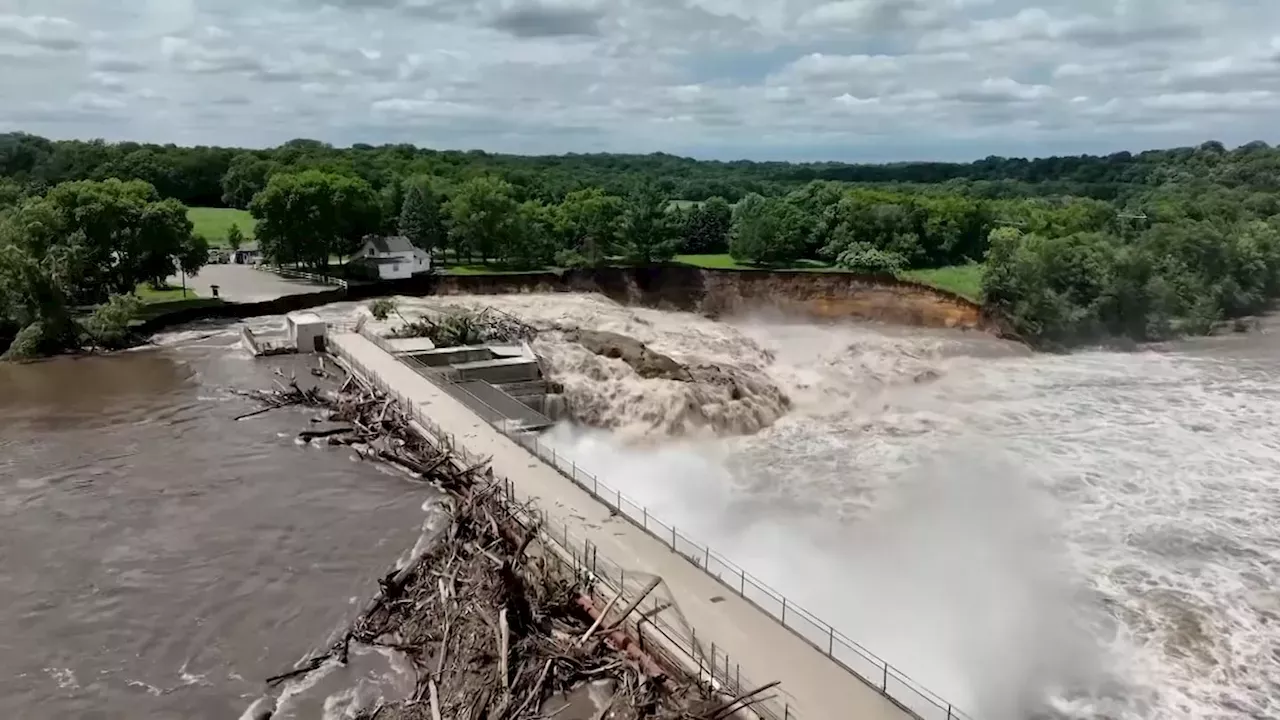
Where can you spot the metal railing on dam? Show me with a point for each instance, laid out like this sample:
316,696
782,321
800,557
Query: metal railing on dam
712,664
848,654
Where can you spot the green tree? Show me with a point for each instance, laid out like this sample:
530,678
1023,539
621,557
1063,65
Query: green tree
193,255
767,231
482,218
390,204
420,215
589,225
706,228
247,176
647,234
533,243
107,326
306,217
110,235
235,238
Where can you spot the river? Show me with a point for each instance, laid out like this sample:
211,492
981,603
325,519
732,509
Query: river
159,559
1093,535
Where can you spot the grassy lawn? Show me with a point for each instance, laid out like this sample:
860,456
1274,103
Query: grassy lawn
212,223
169,293
725,262
483,269
964,280
156,309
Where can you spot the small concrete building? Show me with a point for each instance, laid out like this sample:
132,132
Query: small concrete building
248,254
392,258
306,331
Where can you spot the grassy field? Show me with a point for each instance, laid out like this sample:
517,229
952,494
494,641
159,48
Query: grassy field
963,280
482,269
725,262
150,295
212,223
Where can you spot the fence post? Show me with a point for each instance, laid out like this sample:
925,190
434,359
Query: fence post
831,641
673,537
706,558
784,610
742,582
948,712
619,504
574,475
884,684
646,517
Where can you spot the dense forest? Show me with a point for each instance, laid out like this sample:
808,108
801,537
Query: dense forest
1073,249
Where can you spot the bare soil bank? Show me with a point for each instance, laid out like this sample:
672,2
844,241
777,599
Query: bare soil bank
722,292
817,295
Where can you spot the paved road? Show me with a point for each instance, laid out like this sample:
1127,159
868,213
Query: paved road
242,283
816,688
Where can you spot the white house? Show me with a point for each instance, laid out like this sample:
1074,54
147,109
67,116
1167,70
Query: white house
394,257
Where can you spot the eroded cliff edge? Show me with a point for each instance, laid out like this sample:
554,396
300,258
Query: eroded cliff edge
825,295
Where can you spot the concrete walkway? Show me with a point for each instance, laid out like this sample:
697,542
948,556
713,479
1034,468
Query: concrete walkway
815,687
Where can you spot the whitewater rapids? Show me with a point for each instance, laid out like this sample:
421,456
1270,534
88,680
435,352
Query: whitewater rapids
1094,535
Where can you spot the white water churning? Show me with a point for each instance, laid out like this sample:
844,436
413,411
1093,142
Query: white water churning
1082,536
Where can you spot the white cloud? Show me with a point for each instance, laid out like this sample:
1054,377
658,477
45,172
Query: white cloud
846,79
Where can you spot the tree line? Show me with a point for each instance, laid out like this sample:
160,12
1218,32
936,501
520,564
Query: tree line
230,177
1184,239
72,258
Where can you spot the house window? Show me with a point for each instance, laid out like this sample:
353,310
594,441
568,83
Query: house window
395,267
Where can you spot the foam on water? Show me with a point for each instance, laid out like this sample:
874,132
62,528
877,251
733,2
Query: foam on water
1098,530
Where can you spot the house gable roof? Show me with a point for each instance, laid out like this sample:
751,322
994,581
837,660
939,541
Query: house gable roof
390,244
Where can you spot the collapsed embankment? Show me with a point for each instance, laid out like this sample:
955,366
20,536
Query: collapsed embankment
825,295
819,295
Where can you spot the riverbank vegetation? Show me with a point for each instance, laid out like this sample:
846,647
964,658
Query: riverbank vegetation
72,260
1064,250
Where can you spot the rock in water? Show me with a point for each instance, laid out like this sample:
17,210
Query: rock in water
647,363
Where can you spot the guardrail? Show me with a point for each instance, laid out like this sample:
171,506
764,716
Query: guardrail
720,671
303,275
853,657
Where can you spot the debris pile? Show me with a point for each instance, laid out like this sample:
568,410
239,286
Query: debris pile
496,624
459,326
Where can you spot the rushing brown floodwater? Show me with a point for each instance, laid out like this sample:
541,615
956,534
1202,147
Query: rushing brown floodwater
158,559
1099,530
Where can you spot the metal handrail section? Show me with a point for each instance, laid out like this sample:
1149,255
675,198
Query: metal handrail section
721,673
863,664
303,275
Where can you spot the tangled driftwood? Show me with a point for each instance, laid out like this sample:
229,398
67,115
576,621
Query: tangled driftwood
496,624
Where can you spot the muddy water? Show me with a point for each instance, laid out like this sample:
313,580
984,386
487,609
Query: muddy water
1094,535
157,558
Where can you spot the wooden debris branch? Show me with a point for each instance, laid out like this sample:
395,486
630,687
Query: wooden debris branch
464,326
496,625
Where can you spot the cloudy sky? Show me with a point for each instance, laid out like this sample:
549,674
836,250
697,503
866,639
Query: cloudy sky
762,79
